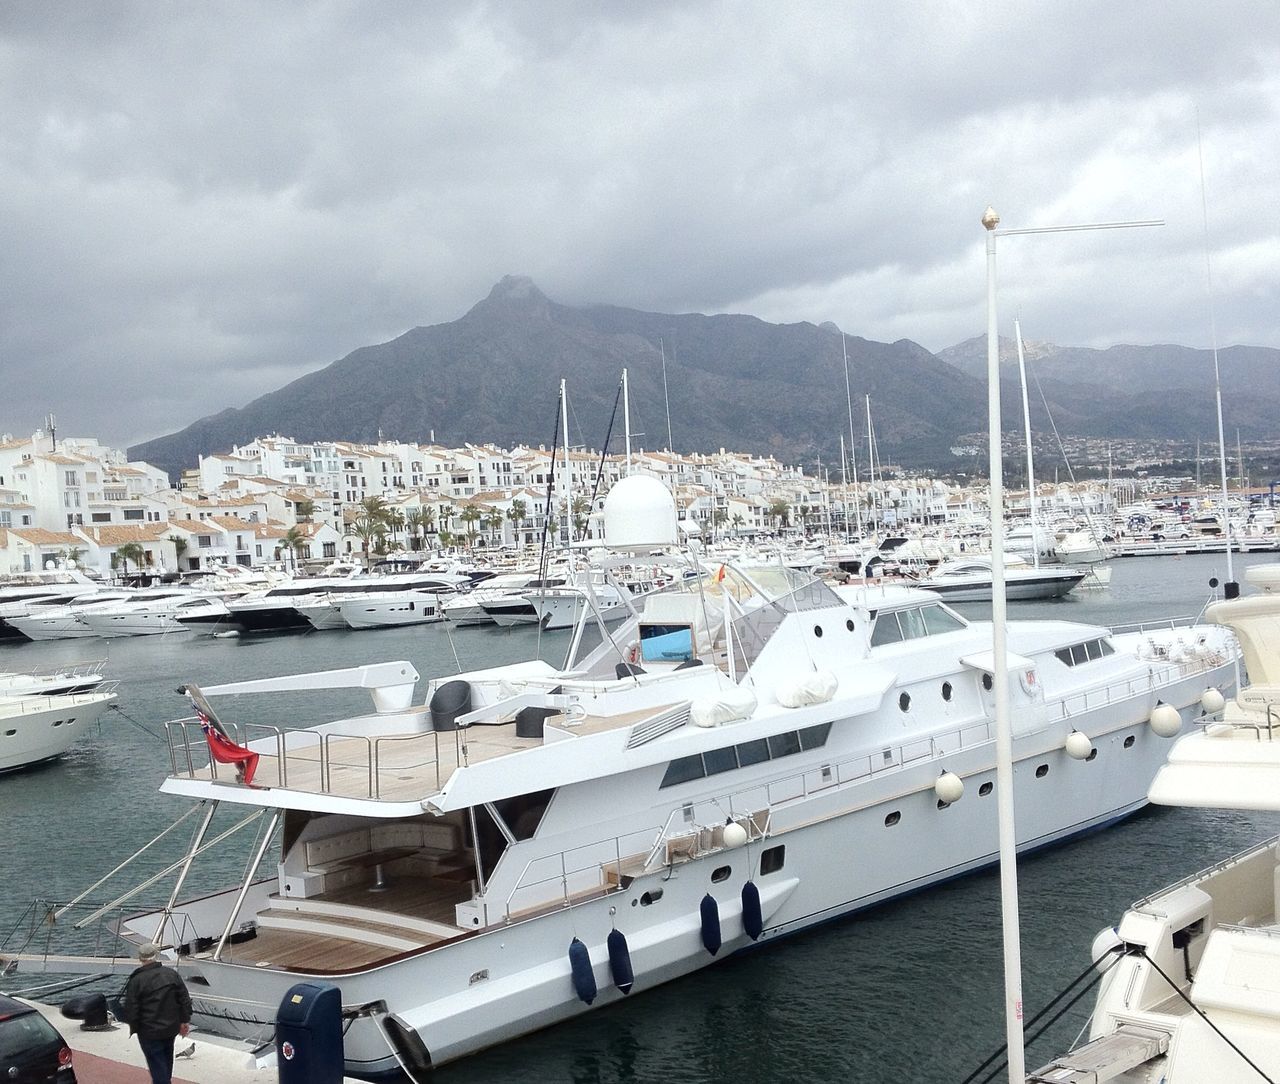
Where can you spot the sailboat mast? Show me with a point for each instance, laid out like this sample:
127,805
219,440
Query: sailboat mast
666,399
871,454
1026,425
853,443
568,478
626,418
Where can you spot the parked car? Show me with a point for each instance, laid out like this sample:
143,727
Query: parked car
31,1050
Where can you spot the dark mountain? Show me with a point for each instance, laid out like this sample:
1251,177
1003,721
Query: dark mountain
733,381
1137,391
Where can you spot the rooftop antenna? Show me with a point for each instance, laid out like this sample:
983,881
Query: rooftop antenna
51,423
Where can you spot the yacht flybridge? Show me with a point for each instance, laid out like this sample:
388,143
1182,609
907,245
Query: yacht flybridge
749,754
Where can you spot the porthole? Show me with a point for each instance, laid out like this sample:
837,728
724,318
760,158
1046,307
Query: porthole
1128,742
943,805
720,874
946,690
892,819
904,702
9,733
817,631
985,789
1093,754
1042,771
652,896
986,682
849,624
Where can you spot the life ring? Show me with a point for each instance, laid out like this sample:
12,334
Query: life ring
633,652
1027,679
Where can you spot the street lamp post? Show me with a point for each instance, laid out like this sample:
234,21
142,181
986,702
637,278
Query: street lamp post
1000,658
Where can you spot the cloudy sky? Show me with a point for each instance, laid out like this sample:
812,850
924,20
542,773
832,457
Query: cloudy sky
202,201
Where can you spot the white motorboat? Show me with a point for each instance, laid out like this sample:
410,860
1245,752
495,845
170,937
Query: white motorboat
53,680
39,728
1085,547
968,579
53,588
518,608
325,611
153,612
563,607
530,842
376,610
468,609
1188,991
64,621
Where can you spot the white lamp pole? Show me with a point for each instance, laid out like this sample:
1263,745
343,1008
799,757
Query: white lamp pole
1000,658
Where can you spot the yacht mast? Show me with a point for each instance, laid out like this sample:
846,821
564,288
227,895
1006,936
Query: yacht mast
1026,425
853,444
626,417
568,478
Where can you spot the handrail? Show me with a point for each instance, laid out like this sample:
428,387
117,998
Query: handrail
1221,864
26,705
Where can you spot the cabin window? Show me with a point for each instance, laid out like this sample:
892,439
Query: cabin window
720,760
753,752
684,770
1128,742
886,630
986,682
721,873
946,690
1042,771
783,745
892,819
984,790
524,813
1078,654
938,620
1093,649
912,623
652,896
815,737
849,624
904,702
772,860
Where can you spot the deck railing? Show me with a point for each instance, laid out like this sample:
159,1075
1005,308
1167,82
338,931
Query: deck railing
308,759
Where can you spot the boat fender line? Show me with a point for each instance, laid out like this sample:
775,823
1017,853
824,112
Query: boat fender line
752,918
711,939
584,979
620,962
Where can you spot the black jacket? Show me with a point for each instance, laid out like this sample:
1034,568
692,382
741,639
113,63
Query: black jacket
155,1002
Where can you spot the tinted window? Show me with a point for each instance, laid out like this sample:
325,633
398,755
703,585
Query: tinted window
783,745
912,624
25,1033
936,620
1079,654
720,760
773,859
753,752
886,630
1107,649
1094,648
814,737
683,770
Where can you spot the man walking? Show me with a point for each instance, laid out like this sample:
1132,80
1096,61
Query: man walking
156,1006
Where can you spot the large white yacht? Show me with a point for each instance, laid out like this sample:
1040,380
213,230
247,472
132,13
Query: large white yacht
64,620
1189,991
969,579
468,609
38,726
750,755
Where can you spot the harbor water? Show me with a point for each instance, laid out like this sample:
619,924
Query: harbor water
909,991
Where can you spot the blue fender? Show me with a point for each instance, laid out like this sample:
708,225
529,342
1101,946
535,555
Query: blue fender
711,939
584,979
752,919
620,962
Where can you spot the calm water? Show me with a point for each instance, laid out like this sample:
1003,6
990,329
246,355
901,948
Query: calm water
909,991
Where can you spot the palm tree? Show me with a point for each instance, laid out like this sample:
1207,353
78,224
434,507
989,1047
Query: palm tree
416,520
719,518
470,516
131,551
179,547
780,509
737,522
375,507
517,514
581,510
292,539
395,521
304,510
493,524
366,528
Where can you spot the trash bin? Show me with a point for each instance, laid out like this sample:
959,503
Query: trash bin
309,1035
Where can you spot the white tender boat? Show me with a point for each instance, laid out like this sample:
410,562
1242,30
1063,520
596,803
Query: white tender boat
38,728
526,843
1189,991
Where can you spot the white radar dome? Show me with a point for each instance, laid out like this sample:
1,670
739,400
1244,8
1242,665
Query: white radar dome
639,514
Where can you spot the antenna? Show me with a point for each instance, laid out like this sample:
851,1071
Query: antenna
51,423
853,444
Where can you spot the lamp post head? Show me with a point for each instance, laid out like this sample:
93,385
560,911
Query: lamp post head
990,219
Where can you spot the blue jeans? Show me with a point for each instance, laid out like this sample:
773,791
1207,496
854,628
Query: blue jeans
159,1055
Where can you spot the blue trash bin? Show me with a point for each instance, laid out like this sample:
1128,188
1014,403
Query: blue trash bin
309,1035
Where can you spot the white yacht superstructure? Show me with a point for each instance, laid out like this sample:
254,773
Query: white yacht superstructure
1189,991
752,754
